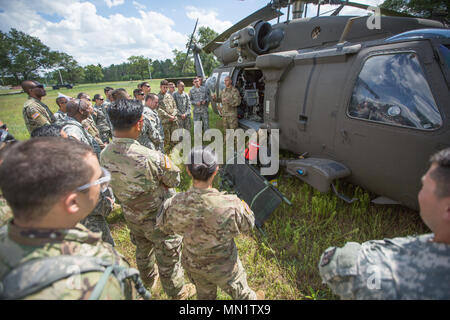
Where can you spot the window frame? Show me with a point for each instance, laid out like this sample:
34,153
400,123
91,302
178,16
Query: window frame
393,52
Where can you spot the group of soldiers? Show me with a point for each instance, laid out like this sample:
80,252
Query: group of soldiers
138,174
60,191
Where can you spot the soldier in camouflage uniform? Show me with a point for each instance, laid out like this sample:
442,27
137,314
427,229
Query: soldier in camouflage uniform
151,135
44,250
77,111
208,220
140,179
401,268
89,123
61,114
168,114
230,99
35,112
6,141
199,100
101,119
184,107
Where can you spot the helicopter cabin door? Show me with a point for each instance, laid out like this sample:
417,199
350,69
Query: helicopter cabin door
393,116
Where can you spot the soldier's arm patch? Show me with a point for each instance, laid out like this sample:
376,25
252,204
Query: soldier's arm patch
327,256
35,115
167,162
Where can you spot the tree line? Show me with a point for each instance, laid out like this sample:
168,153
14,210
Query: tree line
23,56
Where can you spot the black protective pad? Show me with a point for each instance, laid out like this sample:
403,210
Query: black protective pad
247,182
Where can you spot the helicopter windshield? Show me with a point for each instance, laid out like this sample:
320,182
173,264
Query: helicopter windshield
392,89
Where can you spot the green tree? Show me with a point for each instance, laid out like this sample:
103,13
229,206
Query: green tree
23,56
420,8
93,73
69,68
178,60
139,66
204,36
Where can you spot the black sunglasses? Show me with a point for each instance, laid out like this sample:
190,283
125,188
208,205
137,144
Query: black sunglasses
38,86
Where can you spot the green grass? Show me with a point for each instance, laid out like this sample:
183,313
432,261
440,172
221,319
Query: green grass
284,261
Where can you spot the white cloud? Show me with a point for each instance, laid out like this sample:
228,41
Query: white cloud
207,18
113,3
139,5
91,38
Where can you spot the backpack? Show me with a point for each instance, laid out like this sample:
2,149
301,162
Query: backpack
34,275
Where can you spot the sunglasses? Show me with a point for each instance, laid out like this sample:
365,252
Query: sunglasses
38,86
140,94
103,181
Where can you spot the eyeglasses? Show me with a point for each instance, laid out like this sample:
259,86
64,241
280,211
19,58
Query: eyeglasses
38,86
103,181
100,99
140,94
147,86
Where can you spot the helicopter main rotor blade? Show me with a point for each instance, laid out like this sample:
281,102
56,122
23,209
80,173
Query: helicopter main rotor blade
189,46
265,13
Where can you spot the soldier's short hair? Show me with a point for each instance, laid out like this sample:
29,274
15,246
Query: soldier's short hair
49,130
119,94
82,95
140,85
136,91
75,106
179,82
36,173
106,89
441,174
150,96
97,96
164,82
124,114
59,100
204,168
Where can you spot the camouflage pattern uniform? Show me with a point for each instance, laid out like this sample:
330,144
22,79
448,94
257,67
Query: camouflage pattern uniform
200,112
36,114
399,268
167,107
60,116
208,220
75,130
230,99
184,107
150,136
5,211
89,125
96,219
19,245
140,178
102,122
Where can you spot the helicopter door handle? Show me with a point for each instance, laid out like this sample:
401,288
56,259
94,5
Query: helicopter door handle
344,134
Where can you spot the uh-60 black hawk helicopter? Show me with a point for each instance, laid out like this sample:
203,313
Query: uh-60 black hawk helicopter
366,99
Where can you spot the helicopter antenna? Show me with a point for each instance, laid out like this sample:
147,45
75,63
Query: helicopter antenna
189,46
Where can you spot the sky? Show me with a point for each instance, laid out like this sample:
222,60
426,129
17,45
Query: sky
110,31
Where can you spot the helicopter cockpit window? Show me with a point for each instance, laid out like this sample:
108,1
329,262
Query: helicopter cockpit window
222,80
392,89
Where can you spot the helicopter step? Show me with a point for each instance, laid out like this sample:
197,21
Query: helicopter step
249,124
317,172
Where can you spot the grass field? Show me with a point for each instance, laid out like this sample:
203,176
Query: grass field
282,262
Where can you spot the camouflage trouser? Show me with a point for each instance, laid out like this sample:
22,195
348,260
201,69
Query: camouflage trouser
185,123
230,121
201,114
233,283
5,211
152,246
169,127
96,222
